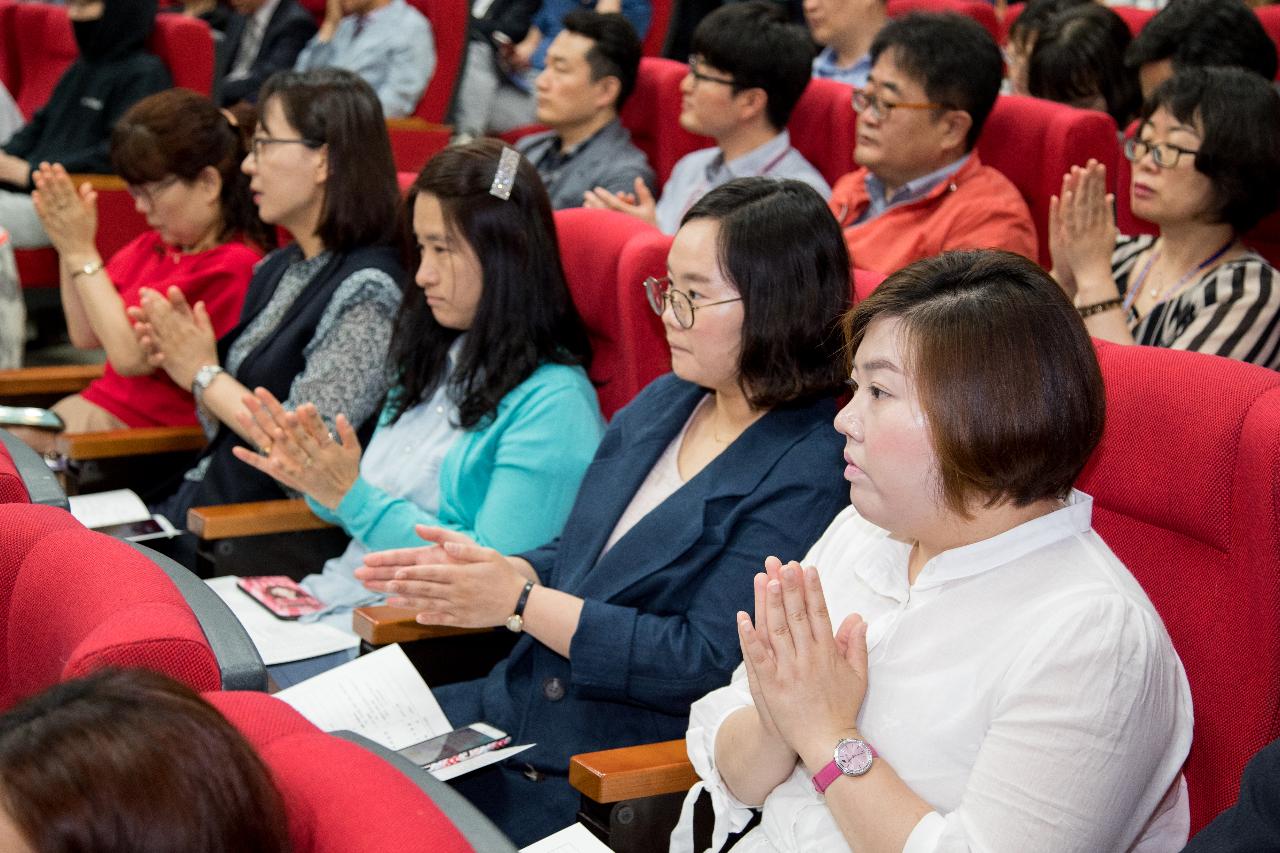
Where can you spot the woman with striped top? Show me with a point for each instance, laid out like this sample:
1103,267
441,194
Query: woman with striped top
1206,169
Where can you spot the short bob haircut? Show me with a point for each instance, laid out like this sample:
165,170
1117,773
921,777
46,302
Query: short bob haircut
131,761
1035,16
180,133
783,252
1239,114
334,107
1080,56
953,58
755,44
1005,371
525,317
615,51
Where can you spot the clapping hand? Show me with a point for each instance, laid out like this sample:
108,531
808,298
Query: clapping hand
174,335
639,204
1082,229
69,216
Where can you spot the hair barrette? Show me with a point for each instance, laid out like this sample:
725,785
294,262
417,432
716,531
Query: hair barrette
505,178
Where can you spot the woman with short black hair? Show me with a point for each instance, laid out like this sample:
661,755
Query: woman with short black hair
1078,59
1206,169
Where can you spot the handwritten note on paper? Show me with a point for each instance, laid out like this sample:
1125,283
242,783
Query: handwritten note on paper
280,640
379,695
571,839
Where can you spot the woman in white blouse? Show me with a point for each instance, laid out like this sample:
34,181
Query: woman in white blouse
997,680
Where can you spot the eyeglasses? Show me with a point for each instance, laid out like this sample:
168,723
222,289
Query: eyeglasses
863,101
1165,155
147,192
661,294
260,142
695,65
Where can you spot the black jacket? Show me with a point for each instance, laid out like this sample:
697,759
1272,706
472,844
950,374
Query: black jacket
288,32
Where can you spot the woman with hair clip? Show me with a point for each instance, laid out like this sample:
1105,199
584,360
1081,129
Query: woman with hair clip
180,156
491,421
317,317
627,617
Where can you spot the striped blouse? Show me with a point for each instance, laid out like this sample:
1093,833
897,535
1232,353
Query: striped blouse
1233,310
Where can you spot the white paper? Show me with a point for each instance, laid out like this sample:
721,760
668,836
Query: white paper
103,509
571,839
484,759
378,695
280,640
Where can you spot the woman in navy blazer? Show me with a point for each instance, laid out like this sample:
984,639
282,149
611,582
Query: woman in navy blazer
629,616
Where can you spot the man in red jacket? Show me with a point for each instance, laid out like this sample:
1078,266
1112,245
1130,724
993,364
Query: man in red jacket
922,189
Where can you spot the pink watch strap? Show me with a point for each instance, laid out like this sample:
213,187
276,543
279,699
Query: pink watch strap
824,777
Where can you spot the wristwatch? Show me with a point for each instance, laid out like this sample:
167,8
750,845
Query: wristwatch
204,378
91,268
515,622
851,757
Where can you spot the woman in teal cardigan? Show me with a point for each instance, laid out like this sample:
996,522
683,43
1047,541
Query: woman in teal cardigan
492,421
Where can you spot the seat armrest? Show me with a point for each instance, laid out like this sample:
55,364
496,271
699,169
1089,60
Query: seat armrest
632,772
37,381
100,183
417,124
139,441
258,518
382,625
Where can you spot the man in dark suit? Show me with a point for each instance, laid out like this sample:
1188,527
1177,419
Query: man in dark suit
265,36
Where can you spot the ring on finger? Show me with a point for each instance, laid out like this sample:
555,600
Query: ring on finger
265,450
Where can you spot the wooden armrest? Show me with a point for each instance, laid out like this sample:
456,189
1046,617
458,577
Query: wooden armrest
59,379
632,772
101,183
139,441
383,625
253,519
415,123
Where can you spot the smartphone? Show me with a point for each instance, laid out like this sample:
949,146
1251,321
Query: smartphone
455,746
29,416
281,595
155,527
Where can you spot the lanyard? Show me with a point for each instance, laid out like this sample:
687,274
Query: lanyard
1136,287
704,185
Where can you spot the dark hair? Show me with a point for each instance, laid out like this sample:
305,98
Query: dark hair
334,107
1005,371
953,57
616,49
754,43
181,133
1205,33
1036,15
1239,114
1080,55
133,761
783,252
525,317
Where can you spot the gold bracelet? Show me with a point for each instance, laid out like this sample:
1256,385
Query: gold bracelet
1098,307
92,268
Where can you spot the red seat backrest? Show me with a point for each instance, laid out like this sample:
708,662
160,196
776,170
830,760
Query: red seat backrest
76,601
1034,142
645,349
12,489
185,46
824,127
865,281
1269,17
1136,19
8,64
981,12
652,115
338,797
449,20
43,47
659,20
1186,484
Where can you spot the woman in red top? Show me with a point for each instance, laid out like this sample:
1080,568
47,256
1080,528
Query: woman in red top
180,156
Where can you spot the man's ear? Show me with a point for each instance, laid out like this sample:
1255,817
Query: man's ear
955,129
751,103
605,92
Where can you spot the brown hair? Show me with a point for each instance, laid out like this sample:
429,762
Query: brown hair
132,761
1004,369
179,132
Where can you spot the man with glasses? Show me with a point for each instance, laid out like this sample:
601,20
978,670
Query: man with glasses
921,188
748,70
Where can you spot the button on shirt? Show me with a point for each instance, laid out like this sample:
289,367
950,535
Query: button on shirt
1024,687
702,171
908,192
826,67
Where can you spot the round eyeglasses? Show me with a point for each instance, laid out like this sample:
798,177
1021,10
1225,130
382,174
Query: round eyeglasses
661,293
1165,155
695,70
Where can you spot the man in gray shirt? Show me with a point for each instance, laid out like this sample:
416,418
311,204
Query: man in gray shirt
591,70
749,68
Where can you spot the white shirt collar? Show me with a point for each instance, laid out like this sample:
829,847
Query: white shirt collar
262,17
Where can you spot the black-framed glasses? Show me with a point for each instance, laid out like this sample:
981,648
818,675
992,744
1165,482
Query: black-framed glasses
661,294
147,192
864,101
1165,154
695,70
260,142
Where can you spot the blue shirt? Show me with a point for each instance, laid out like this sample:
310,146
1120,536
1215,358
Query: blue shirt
825,66
550,21
910,191
393,50
702,171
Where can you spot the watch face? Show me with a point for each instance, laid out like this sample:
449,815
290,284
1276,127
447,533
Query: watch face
853,757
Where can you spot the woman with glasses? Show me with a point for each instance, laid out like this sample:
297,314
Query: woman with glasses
628,616
492,420
1206,169
180,157
317,317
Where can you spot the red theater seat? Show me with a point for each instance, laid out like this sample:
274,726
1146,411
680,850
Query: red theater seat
824,127
24,478
652,115
981,12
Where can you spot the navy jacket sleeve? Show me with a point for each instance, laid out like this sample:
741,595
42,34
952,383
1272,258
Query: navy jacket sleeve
1253,823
